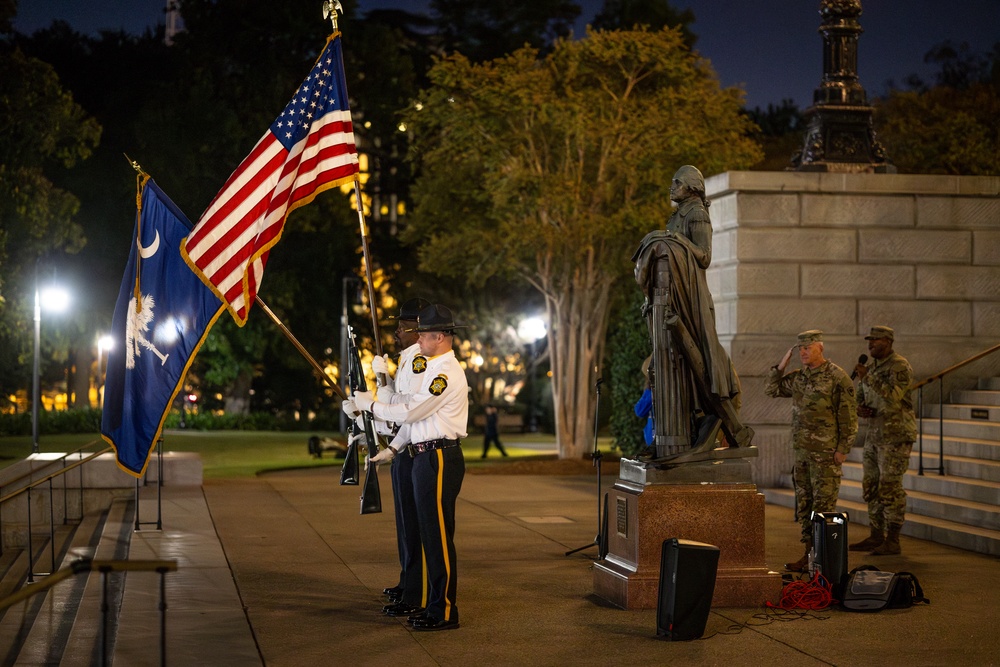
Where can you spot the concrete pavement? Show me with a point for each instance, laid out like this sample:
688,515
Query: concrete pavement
309,569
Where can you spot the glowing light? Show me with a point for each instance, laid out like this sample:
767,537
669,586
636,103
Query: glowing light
532,329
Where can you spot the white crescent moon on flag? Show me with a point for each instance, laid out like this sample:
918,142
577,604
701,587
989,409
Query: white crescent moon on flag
149,251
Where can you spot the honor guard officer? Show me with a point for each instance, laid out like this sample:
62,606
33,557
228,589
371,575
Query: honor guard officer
409,596
435,419
824,425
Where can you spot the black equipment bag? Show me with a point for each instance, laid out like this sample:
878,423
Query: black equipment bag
869,589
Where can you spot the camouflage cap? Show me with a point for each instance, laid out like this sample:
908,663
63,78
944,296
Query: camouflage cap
881,332
811,336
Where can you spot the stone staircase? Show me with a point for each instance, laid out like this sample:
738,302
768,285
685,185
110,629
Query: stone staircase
960,508
65,625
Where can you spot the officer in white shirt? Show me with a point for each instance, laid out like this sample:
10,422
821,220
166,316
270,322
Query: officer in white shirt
409,597
434,419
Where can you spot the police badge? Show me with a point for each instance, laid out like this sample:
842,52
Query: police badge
438,385
419,364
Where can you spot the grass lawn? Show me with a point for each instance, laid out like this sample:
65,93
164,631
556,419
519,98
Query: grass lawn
247,453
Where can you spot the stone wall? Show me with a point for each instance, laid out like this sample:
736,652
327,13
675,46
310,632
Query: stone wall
843,252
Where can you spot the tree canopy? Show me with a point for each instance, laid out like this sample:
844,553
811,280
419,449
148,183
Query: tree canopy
41,129
553,168
950,127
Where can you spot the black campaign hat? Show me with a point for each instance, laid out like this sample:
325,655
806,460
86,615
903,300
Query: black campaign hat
410,310
436,318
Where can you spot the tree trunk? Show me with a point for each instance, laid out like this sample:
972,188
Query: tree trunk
578,313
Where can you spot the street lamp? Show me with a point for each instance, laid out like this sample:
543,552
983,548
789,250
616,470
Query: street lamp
103,343
54,299
531,330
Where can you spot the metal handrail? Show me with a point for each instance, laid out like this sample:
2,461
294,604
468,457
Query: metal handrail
31,473
52,528
919,387
105,567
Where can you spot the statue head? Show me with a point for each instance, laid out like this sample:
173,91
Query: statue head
687,182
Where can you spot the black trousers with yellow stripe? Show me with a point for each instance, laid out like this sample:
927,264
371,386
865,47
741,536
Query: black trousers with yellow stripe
411,557
437,479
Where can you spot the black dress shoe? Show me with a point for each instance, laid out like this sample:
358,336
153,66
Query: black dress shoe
429,624
393,592
411,619
401,609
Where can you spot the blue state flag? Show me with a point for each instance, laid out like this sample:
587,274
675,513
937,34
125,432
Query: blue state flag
162,316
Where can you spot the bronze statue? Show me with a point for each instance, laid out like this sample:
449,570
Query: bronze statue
694,382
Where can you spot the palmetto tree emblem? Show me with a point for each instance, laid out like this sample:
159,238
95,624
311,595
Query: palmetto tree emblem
136,327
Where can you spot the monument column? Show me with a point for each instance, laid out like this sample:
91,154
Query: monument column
840,136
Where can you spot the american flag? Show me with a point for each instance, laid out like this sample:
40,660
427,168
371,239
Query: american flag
309,148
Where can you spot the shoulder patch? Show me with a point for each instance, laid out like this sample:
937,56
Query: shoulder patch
438,385
419,364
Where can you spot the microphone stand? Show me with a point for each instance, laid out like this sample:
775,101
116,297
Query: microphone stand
601,541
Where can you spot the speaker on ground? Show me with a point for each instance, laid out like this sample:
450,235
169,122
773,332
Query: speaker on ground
687,583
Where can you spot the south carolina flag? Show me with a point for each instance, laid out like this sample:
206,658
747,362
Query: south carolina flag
162,316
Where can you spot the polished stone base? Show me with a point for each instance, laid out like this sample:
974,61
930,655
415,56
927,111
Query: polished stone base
641,517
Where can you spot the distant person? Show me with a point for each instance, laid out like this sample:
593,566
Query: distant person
491,432
824,425
884,400
644,406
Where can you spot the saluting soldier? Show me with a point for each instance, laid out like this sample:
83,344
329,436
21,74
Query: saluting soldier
824,425
434,419
884,399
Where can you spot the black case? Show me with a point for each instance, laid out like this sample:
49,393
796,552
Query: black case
829,532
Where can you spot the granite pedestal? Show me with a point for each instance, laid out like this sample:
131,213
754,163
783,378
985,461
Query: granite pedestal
648,505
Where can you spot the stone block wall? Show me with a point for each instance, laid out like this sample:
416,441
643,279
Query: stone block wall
843,252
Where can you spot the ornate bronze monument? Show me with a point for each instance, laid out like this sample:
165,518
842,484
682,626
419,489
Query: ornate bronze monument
694,384
693,477
839,134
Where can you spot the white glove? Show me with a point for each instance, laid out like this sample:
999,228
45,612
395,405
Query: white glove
357,439
350,409
363,400
380,365
385,456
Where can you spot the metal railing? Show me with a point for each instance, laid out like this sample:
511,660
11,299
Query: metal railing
919,387
16,482
26,489
85,565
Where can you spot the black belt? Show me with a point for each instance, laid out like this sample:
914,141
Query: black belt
429,445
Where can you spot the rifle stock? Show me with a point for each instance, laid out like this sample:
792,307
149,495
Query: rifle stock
371,496
349,473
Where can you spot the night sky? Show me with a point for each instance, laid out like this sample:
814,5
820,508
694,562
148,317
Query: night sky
769,47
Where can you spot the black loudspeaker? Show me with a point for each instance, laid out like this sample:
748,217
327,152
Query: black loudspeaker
687,582
829,532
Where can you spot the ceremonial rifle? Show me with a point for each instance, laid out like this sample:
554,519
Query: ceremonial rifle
371,496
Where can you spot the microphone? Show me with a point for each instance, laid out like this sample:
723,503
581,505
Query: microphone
863,359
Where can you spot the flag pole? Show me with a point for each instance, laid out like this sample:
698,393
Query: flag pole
368,268
298,346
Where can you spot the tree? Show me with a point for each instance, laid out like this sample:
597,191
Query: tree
655,14
781,130
629,346
554,168
42,131
951,127
485,29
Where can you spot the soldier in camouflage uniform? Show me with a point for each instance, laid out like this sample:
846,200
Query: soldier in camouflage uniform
884,399
824,425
